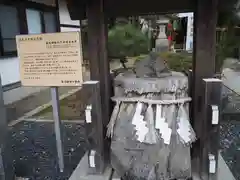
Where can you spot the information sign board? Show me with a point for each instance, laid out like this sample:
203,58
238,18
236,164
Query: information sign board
52,60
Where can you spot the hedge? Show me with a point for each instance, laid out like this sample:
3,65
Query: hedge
180,61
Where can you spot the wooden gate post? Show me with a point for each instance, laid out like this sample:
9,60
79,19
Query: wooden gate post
97,53
211,116
94,128
99,64
205,19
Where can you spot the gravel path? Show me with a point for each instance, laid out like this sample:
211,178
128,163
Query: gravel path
230,131
230,146
34,149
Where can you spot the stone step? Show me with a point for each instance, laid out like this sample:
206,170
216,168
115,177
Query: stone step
81,172
115,176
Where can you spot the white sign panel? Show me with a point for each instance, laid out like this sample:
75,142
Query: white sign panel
50,59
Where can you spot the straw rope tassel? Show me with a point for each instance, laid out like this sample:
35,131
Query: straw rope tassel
184,126
111,124
162,125
151,136
191,131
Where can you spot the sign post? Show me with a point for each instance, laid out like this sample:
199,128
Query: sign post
52,60
57,126
3,127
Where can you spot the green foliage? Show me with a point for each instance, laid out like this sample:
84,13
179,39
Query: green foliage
139,58
180,61
126,40
228,13
228,40
227,46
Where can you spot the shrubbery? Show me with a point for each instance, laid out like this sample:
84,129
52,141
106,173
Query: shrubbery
126,40
180,61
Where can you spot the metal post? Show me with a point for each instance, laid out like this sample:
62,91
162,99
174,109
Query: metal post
97,154
209,140
57,126
3,128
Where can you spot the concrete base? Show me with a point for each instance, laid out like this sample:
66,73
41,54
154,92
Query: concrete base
224,173
80,173
115,176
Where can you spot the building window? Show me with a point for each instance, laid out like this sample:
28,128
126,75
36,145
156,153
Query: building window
40,22
191,45
50,22
34,21
12,22
9,28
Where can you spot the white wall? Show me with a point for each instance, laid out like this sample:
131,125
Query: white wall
64,15
68,29
65,18
189,38
9,70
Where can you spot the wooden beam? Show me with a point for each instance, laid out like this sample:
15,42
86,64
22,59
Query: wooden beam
205,20
136,7
116,8
57,17
94,128
99,64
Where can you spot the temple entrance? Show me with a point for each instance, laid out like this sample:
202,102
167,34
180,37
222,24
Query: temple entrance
150,81
98,13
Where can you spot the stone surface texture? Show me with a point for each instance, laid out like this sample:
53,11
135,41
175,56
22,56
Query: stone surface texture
150,160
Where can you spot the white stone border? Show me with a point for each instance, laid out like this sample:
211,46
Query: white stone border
37,110
224,173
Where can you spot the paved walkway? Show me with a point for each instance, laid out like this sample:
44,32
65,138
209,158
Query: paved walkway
231,74
231,79
24,99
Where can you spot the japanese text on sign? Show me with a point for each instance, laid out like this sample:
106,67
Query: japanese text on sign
50,59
